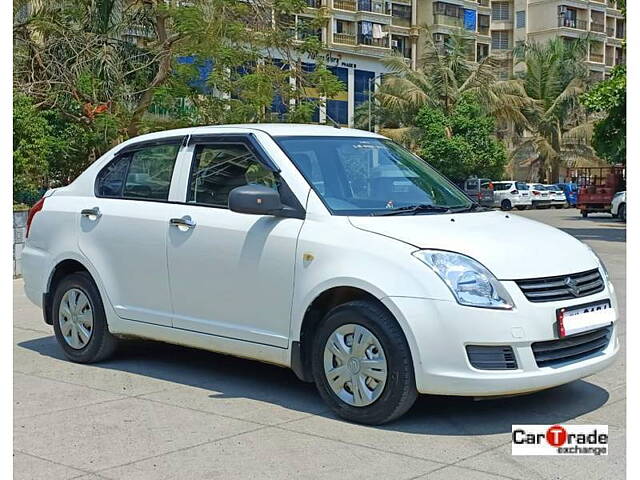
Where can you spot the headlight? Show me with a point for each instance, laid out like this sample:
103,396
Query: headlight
470,283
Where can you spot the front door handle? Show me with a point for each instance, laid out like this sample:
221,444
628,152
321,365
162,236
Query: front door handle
91,212
186,222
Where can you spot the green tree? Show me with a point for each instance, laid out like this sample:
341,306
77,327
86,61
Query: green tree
445,74
558,128
609,98
462,143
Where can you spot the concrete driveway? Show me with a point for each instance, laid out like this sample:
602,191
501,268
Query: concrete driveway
164,412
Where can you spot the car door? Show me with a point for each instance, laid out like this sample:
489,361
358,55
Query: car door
123,230
231,274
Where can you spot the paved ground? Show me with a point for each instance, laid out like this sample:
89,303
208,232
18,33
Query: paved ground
164,412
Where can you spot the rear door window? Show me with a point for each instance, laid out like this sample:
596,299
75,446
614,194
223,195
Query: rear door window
521,186
143,174
501,186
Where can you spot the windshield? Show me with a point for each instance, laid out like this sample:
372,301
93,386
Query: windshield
365,176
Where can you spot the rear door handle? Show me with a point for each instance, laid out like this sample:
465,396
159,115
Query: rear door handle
185,221
91,212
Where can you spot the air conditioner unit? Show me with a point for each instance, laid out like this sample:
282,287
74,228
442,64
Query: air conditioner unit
394,43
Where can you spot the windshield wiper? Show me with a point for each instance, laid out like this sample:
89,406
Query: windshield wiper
413,209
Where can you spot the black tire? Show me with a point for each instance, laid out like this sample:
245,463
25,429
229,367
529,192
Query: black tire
506,205
399,392
585,214
622,212
101,344
521,207
558,207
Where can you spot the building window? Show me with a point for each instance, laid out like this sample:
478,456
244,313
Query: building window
500,10
521,19
482,51
500,40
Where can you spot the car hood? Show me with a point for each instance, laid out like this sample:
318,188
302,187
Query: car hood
510,246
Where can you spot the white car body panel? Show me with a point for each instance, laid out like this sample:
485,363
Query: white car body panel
241,284
520,198
618,200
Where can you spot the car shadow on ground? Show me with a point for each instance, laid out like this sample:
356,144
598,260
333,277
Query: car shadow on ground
229,377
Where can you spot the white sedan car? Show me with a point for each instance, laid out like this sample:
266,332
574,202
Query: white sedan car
619,206
509,194
540,196
557,196
333,252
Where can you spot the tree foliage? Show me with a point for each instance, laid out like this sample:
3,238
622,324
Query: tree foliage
462,143
610,132
558,128
444,76
107,70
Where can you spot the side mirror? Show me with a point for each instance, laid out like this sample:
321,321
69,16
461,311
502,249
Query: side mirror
255,200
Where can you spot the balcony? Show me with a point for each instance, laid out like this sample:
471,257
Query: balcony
483,30
401,22
314,3
447,20
344,38
609,61
620,33
611,31
373,42
572,23
597,27
349,5
374,6
483,3
596,57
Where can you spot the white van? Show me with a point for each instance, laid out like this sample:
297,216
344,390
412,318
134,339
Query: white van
334,252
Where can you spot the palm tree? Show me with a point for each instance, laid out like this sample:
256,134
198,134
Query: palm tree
444,75
559,131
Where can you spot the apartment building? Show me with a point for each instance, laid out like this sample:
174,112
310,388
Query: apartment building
501,25
359,33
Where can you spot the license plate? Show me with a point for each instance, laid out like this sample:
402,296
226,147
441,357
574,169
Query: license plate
581,318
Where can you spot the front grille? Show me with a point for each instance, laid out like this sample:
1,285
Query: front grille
563,287
491,357
572,348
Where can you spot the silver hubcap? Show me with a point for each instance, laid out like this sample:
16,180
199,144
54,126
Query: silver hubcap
355,365
76,318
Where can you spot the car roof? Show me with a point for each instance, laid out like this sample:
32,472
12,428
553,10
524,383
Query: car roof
273,129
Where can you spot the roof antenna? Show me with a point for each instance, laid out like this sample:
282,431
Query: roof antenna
333,122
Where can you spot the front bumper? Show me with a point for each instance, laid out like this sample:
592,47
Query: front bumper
439,331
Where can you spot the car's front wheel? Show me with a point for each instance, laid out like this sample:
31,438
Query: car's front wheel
362,364
506,205
79,321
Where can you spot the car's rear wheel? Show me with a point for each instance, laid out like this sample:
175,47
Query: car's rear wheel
362,364
506,205
622,212
79,321
585,214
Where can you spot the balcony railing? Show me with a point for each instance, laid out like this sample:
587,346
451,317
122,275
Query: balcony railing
482,30
572,23
375,6
597,27
373,42
314,3
447,20
345,38
596,57
401,21
483,3
345,5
